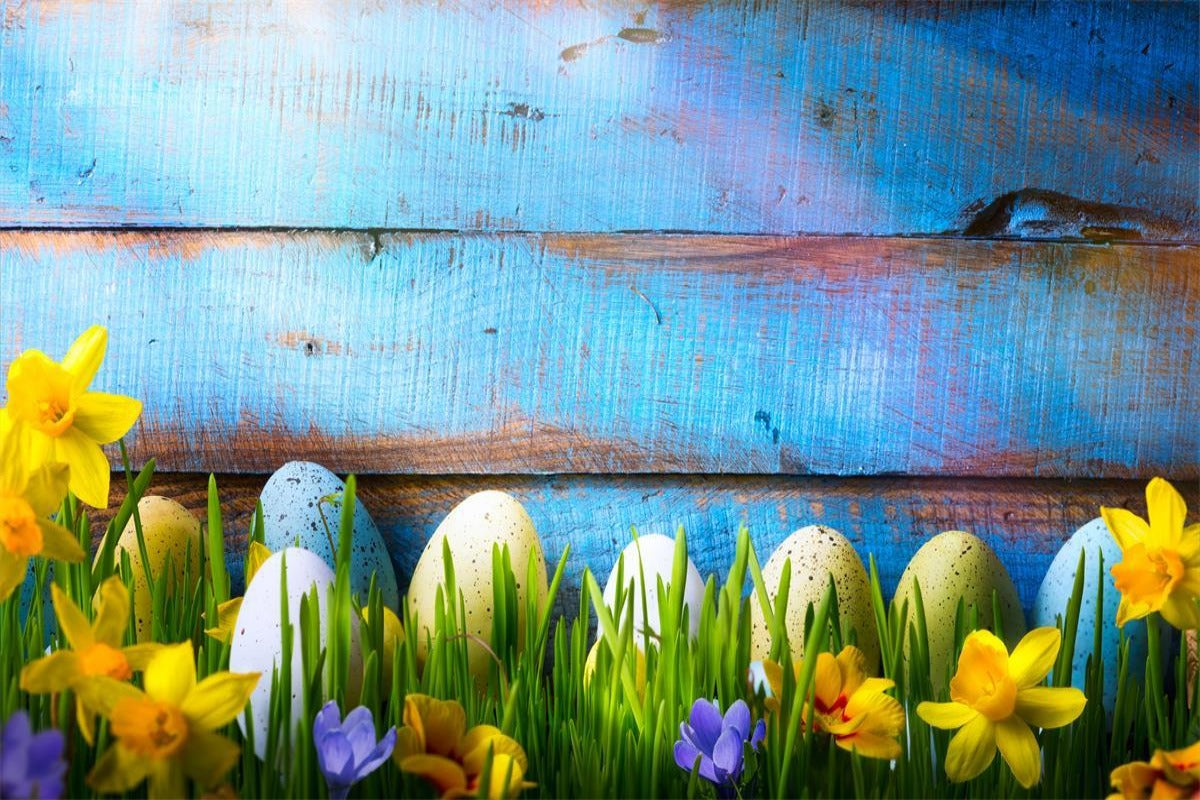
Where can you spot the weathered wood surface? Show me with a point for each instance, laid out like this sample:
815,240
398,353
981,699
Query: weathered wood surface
1025,521
449,353
738,116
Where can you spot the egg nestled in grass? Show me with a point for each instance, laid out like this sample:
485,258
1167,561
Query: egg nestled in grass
476,525
815,553
647,561
302,507
950,567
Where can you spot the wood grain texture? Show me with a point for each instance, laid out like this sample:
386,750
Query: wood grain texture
737,116
446,353
1025,521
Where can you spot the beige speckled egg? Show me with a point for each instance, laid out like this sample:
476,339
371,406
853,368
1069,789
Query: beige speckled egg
954,565
472,528
816,552
169,529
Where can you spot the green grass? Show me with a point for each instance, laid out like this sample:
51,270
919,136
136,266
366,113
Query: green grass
611,735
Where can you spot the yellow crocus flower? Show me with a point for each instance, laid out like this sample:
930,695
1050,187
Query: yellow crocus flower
1160,559
436,745
168,732
94,651
1174,774
49,402
847,704
27,498
995,697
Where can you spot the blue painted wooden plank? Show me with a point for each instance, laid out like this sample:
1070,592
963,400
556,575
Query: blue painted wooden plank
450,353
1025,521
728,117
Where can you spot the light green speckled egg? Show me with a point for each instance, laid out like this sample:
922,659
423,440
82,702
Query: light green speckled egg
954,565
476,524
816,552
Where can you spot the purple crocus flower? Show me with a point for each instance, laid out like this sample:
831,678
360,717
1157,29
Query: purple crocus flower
717,740
31,765
347,750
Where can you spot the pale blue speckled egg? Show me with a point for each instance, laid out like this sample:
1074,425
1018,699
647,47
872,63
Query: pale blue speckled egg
302,507
1094,540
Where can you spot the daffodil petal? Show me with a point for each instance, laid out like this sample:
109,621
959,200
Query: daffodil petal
871,745
104,418
85,356
118,770
1126,527
946,715
166,780
442,772
12,572
59,543
53,673
139,656
112,612
71,621
85,718
227,614
90,472
1034,656
218,699
1128,610
1180,610
46,488
1045,707
256,556
171,674
102,693
971,750
1166,509
207,757
1019,747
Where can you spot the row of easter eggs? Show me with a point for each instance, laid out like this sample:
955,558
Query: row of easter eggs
301,507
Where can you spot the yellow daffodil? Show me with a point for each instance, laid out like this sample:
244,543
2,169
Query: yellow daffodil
436,745
1160,559
1174,774
168,732
995,698
227,612
49,403
27,498
847,704
95,650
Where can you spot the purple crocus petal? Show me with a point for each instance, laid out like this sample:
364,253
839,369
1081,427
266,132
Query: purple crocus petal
706,724
16,730
727,754
760,733
359,727
374,759
45,751
336,758
738,718
685,757
328,718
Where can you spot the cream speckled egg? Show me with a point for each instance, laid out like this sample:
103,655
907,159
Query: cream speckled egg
471,529
258,638
169,529
653,557
954,565
816,552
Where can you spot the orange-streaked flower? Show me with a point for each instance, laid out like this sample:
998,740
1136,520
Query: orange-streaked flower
848,705
27,498
49,403
436,745
1159,568
1174,774
168,732
995,698
94,650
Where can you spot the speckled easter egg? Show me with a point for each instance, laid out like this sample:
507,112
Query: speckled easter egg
171,532
302,507
258,635
471,529
652,557
950,566
1095,541
816,552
